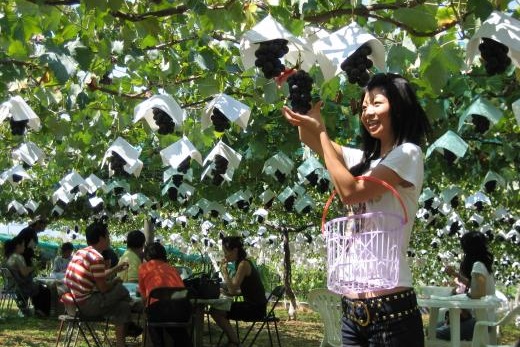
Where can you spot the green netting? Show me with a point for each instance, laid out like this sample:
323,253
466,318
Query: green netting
50,249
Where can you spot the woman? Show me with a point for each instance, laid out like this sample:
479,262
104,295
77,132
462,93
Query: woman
133,255
156,272
476,274
393,127
23,276
246,282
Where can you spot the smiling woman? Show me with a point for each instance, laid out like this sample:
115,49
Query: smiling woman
394,125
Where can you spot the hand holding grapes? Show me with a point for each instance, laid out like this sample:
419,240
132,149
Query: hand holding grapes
312,121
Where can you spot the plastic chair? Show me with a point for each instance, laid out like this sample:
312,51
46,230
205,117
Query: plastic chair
270,317
7,293
328,305
482,327
75,323
11,292
172,296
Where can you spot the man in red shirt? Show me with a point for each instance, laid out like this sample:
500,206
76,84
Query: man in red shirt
86,277
156,272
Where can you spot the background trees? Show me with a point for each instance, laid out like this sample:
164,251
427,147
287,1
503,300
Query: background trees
83,66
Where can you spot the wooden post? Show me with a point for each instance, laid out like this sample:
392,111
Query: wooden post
148,230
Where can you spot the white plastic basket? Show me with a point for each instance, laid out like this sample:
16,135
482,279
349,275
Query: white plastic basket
363,249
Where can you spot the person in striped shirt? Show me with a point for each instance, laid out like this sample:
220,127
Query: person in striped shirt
86,277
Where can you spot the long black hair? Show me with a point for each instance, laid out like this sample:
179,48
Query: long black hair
475,247
10,246
155,251
408,119
232,242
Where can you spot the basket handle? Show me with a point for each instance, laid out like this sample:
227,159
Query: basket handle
394,192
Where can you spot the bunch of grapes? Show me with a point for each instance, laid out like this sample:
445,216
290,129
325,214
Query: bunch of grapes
98,208
220,121
449,156
289,203
177,180
312,178
220,167
243,205
300,87
322,185
357,64
163,121
184,165
268,56
172,193
280,176
268,204
490,186
454,202
117,163
454,228
494,55
16,178
481,123
18,126
306,209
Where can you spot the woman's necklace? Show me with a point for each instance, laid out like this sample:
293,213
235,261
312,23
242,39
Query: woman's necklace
387,152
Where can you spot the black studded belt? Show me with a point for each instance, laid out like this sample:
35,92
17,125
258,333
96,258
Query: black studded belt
380,309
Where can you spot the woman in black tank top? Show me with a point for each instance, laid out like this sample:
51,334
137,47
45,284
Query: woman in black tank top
246,282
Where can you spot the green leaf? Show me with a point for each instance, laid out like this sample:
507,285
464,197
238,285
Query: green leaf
197,6
17,50
437,75
205,59
82,99
436,109
481,8
148,41
70,32
208,86
270,92
84,57
62,65
399,56
98,5
115,4
420,18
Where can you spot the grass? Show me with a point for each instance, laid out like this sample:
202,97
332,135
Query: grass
306,331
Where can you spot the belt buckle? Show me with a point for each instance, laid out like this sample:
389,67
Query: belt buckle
360,304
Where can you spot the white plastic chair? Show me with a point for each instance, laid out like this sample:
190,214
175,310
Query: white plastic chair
328,305
481,327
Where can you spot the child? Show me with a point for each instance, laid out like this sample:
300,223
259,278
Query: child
62,261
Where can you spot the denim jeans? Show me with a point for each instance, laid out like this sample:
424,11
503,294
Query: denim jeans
371,322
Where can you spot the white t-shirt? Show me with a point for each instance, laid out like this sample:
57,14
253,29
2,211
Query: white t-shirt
407,161
480,268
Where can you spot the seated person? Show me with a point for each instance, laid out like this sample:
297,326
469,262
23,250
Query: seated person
112,266
476,274
156,272
86,278
134,249
246,281
23,275
62,261
30,237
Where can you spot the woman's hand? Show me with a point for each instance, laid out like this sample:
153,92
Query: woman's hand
450,270
311,121
122,266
